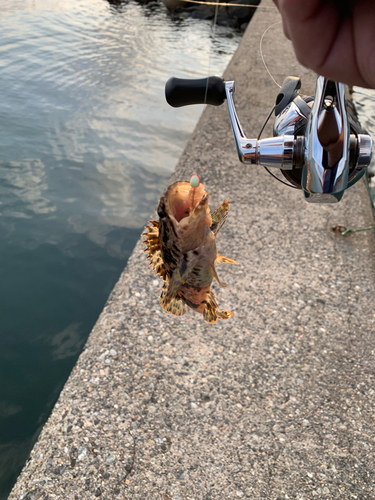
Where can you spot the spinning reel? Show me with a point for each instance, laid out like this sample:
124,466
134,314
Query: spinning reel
318,142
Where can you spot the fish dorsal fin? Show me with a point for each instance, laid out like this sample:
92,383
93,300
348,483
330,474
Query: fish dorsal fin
175,305
220,259
219,217
180,274
152,237
216,276
157,264
153,248
211,311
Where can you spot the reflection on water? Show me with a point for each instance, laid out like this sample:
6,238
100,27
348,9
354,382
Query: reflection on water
87,144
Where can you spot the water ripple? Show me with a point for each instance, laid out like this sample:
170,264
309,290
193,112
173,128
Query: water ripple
88,146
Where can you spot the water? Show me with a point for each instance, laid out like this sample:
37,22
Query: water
87,145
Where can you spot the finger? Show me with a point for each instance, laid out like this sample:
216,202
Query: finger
312,30
297,11
294,12
364,40
284,20
286,29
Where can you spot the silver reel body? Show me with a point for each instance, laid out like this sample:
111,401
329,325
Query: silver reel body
318,143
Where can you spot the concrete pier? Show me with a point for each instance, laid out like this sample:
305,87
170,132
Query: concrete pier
277,402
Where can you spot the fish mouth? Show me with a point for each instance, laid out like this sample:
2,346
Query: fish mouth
182,199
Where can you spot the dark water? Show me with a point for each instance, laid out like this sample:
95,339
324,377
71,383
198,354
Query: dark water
87,145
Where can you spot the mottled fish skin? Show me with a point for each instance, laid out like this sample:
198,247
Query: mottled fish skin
182,250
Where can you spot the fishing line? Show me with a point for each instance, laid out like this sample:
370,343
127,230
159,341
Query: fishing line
217,3
224,4
258,139
272,110
261,52
211,49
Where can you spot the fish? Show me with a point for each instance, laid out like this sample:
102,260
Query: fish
181,246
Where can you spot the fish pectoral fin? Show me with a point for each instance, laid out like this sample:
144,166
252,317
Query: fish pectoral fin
217,277
219,217
175,305
180,275
220,259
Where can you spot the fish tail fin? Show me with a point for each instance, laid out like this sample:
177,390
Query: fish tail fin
153,248
224,314
174,305
211,311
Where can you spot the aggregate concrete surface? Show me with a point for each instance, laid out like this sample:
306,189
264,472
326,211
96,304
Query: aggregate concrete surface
277,402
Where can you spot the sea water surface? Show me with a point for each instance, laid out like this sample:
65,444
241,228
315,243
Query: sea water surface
87,145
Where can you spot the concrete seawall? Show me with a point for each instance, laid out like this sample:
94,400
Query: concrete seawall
277,402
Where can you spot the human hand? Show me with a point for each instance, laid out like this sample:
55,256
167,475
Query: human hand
334,38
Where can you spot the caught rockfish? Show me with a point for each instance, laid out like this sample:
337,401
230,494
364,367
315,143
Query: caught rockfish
182,249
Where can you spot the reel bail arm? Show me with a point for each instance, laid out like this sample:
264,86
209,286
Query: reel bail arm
271,152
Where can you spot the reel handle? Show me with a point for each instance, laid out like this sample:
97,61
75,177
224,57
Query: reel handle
184,92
